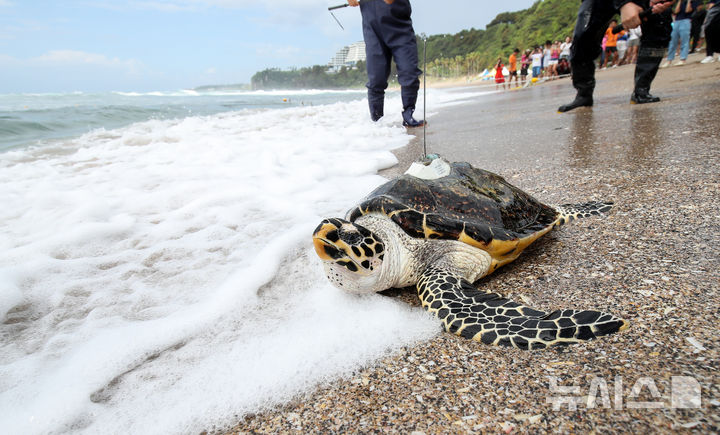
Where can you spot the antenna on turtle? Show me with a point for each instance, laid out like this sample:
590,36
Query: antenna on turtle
425,156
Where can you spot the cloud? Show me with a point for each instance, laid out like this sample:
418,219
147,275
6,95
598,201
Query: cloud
277,51
241,4
74,58
165,6
275,7
286,13
69,57
69,70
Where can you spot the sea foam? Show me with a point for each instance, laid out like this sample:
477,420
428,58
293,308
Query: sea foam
160,277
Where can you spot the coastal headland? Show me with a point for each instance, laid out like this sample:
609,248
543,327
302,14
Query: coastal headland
653,261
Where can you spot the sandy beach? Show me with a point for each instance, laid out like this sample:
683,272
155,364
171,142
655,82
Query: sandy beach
653,261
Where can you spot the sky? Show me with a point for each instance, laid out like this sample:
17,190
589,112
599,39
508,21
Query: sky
147,45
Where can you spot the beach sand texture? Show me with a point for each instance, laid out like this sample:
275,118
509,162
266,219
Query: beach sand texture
654,261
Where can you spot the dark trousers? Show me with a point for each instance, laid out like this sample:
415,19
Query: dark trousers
592,22
712,30
694,36
388,34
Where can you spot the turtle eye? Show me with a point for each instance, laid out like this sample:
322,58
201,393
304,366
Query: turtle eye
350,236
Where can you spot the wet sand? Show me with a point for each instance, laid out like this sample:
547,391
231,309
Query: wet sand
653,261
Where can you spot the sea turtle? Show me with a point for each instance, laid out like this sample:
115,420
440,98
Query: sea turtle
443,226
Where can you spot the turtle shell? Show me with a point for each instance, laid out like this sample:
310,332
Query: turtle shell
471,205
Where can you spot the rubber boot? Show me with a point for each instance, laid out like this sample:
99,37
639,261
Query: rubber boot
583,78
409,121
376,101
643,96
648,62
376,111
408,95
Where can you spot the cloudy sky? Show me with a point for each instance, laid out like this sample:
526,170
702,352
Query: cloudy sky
145,45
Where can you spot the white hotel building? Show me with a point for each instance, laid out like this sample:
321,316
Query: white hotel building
348,56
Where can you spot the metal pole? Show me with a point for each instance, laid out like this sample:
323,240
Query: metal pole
424,94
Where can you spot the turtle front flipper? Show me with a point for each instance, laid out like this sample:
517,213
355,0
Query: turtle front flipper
492,319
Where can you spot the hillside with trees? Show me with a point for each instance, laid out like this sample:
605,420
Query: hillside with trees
465,53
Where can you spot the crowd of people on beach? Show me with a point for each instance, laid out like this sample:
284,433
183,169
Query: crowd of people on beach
552,59
543,62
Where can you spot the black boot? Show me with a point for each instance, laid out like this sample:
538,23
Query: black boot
409,121
376,101
642,96
408,95
376,109
412,123
579,101
583,78
648,62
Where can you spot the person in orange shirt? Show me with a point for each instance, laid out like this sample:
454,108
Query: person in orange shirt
611,44
512,67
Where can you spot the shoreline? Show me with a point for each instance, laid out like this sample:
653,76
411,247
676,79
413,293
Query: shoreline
651,261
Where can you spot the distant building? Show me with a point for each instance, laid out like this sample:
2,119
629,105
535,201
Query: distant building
348,56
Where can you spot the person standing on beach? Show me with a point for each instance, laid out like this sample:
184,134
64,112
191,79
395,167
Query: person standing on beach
524,64
565,48
712,32
696,23
536,57
593,17
389,34
680,32
499,76
633,45
512,67
545,67
611,51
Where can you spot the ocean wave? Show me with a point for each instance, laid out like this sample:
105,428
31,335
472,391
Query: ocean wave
218,92
71,114
171,259
161,275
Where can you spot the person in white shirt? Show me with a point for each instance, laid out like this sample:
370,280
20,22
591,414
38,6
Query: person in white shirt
536,57
565,48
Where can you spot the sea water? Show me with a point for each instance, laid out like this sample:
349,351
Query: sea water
28,118
156,271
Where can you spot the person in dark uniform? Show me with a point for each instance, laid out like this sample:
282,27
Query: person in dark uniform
389,34
712,31
592,22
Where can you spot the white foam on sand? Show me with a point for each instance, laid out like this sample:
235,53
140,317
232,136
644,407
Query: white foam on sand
160,277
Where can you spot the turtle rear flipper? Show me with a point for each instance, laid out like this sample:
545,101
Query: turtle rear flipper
493,319
570,212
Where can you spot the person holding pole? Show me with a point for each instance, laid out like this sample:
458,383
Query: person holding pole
389,34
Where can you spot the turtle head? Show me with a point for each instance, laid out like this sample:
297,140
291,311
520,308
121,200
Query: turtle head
352,255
